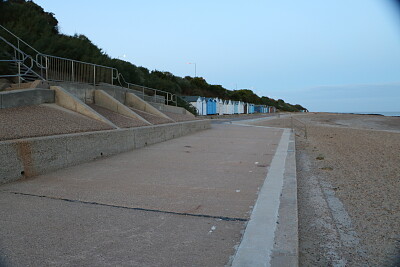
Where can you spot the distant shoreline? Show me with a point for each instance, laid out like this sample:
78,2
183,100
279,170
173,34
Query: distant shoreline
372,113
386,114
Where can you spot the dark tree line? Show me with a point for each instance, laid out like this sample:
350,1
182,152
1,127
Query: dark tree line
40,29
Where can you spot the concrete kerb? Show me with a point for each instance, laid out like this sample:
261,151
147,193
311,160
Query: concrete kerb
264,243
286,248
69,101
134,101
105,100
38,155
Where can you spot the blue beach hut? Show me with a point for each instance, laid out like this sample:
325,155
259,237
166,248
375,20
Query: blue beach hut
235,107
251,108
258,108
211,106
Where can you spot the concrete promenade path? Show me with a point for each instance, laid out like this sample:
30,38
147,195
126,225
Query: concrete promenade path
183,202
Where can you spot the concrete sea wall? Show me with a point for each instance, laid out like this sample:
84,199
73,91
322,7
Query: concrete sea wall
33,156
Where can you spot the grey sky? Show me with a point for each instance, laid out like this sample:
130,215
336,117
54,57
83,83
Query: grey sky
332,55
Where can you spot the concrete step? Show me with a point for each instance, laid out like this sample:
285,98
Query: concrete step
28,85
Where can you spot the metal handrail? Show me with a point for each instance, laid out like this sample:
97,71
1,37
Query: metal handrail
169,96
19,39
20,57
303,124
58,69
63,69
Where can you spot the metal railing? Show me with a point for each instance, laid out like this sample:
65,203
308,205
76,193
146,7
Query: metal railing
295,123
24,63
58,69
149,94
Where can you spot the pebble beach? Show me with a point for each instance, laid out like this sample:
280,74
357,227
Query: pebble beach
348,172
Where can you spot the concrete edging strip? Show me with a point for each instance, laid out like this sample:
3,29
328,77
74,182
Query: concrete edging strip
258,240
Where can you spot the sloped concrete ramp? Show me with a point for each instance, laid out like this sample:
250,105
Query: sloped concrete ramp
183,202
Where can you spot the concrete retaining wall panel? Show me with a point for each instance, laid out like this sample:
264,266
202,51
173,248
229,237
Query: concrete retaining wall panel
26,97
172,131
148,135
116,92
10,163
84,92
47,154
90,146
194,126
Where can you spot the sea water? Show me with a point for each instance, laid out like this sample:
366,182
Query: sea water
394,113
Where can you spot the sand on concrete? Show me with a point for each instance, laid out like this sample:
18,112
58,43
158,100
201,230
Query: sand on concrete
44,120
358,166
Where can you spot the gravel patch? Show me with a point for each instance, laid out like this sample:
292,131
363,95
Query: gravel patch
118,119
348,189
153,119
44,120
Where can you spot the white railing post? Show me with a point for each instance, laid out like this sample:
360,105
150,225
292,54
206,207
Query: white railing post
19,73
72,69
94,75
47,68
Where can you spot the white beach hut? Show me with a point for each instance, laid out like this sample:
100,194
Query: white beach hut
204,105
241,107
220,107
195,101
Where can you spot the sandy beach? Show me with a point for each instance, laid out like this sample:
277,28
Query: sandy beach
348,173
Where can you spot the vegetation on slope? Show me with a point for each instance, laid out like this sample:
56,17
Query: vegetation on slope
40,29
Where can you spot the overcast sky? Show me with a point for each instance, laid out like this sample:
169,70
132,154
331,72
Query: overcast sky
330,55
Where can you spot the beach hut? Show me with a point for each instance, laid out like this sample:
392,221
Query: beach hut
246,108
257,108
235,107
225,111
229,107
221,107
216,105
195,101
211,106
251,108
204,106
240,107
